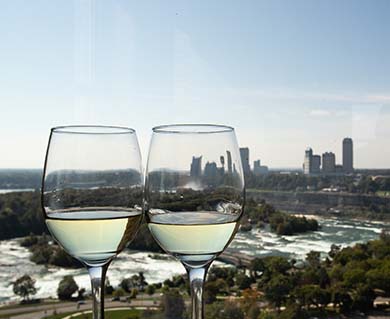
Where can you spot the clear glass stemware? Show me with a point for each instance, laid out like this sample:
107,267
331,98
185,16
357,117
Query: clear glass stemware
92,196
194,196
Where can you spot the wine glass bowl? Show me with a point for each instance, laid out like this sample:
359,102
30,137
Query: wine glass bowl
92,195
194,195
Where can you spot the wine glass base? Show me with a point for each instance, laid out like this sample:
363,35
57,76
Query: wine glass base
196,261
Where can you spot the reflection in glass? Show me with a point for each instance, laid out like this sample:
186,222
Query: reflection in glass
194,196
92,196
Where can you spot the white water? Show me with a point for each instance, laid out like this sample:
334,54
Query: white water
261,242
14,260
6,191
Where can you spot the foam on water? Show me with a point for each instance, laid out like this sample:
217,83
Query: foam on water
14,260
260,242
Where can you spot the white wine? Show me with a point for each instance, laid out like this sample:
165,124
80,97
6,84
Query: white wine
193,236
94,237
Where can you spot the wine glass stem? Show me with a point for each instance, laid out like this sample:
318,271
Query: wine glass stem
197,278
98,276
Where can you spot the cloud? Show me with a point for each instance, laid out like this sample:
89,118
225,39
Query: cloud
289,94
320,113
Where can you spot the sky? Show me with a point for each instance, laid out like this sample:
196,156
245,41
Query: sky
286,74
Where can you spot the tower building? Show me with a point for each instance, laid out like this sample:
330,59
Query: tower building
328,163
348,155
244,153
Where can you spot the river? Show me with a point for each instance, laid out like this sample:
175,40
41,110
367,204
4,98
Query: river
6,191
14,260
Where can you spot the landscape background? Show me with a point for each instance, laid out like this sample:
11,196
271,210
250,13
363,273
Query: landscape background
286,75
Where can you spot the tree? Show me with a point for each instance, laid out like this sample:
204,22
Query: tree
211,290
277,265
141,281
253,312
292,311
312,295
249,300
227,310
334,250
232,311
267,315
128,283
354,276
150,290
340,297
173,304
108,288
81,293
133,293
135,281
118,293
257,267
379,277
243,281
277,290
363,298
313,259
66,288
24,287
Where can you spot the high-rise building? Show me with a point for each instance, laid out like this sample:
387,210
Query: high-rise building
196,166
307,161
348,155
258,169
210,170
328,163
311,163
315,164
229,162
339,169
244,153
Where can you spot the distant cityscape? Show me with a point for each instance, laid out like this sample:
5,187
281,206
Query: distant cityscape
313,164
211,169
258,169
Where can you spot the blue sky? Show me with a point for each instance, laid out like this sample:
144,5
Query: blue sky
286,74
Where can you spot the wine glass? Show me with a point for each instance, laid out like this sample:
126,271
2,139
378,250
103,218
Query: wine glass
92,196
194,196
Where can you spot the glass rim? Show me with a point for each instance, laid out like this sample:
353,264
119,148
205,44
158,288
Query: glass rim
192,129
92,129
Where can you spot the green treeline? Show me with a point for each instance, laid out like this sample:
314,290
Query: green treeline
20,178
280,223
299,182
364,184
344,283
21,214
348,280
46,252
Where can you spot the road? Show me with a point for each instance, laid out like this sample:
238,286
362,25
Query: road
38,312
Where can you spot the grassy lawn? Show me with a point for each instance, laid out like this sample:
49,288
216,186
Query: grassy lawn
382,193
60,316
114,314
14,314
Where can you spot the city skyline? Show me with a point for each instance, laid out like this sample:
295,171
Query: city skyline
283,77
327,164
